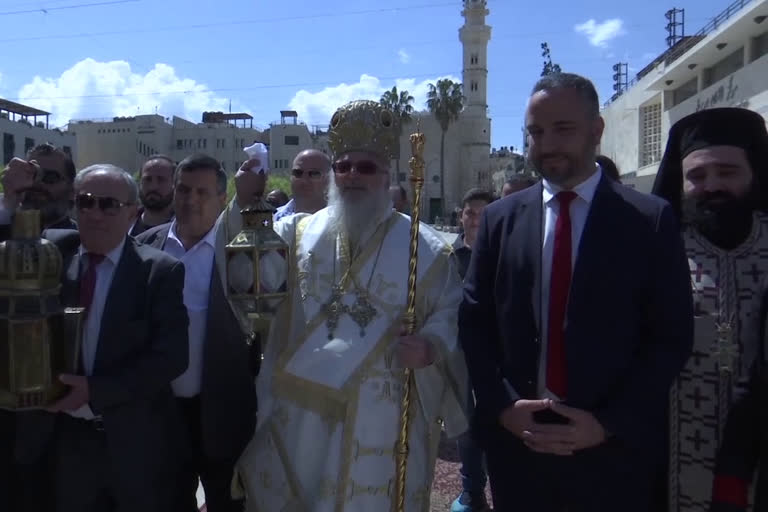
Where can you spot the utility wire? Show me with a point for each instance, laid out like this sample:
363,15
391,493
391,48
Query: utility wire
231,23
230,89
46,10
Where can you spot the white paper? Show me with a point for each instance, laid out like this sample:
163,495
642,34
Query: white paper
258,150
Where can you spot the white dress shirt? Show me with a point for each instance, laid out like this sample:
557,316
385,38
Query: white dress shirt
105,271
579,209
198,267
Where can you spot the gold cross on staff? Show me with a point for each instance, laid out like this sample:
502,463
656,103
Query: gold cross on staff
725,350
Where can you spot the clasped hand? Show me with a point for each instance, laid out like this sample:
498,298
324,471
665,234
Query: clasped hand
582,430
414,351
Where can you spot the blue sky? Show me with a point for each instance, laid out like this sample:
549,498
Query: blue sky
99,58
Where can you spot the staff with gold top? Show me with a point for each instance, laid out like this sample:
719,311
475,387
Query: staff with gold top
332,380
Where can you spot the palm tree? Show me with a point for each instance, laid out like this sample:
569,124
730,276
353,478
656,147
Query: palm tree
400,104
445,101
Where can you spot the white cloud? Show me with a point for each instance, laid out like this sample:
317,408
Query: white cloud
318,107
93,89
404,57
600,34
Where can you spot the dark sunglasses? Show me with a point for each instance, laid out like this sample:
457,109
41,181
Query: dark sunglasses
364,167
108,205
50,176
311,174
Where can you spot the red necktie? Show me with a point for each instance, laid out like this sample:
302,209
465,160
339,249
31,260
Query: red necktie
559,286
88,280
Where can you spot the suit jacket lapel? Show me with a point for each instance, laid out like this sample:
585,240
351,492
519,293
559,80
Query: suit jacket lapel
220,254
530,217
121,298
70,285
591,255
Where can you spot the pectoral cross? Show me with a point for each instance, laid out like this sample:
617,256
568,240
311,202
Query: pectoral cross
333,309
725,349
362,312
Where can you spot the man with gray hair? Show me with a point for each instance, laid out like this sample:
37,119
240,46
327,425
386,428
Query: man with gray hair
115,431
216,394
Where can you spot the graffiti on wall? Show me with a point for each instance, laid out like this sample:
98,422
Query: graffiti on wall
726,95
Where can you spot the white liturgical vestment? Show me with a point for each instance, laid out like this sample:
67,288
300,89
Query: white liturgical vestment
329,405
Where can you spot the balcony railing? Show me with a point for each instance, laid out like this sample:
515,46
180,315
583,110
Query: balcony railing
688,42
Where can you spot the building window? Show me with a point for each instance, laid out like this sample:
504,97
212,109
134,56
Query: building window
473,59
179,144
473,86
759,46
28,144
205,143
685,91
291,140
277,164
725,67
67,150
9,147
650,133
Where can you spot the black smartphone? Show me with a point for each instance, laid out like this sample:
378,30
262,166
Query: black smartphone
550,417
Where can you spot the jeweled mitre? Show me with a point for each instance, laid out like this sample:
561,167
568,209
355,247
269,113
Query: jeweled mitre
364,125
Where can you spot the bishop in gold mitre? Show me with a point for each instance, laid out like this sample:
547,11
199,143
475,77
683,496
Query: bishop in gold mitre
331,381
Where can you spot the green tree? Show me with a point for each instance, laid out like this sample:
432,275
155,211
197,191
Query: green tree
399,102
445,101
549,68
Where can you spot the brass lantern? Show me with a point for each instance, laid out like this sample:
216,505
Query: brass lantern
257,267
39,339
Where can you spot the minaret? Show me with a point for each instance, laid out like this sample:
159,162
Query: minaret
475,124
474,36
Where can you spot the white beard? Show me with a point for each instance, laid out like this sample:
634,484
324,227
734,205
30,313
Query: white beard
353,216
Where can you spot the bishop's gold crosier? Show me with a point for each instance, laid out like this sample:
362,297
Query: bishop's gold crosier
416,164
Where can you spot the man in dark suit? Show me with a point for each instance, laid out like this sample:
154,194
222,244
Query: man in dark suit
576,319
116,429
217,393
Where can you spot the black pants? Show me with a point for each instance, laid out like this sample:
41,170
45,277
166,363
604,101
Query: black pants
215,474
607,478
8,499
24,485
88,479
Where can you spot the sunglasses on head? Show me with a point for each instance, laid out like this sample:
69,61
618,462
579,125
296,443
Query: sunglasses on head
365,167
108,205
312,174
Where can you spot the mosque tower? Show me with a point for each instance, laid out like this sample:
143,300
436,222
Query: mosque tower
475,124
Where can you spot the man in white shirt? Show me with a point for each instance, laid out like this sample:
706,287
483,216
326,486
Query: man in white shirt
216,393
115,434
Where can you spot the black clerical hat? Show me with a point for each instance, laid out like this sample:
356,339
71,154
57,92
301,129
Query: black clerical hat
738,127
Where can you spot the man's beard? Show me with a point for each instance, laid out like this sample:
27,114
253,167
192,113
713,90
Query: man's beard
352,216
572,167
155,202
722,218
51,209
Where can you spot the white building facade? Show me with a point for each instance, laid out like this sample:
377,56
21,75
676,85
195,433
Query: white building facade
724,65
129,141
19,134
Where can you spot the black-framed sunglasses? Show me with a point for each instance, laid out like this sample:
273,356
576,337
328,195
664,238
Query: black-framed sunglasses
312,174
364,167
108,205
